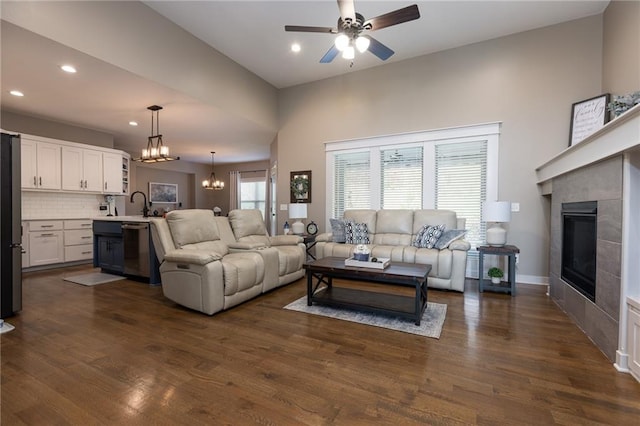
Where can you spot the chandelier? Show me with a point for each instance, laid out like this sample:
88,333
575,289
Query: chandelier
155,151
212,182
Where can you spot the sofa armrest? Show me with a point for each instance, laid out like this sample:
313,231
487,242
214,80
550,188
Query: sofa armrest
194,257
246,246
459,245
286,240
325,237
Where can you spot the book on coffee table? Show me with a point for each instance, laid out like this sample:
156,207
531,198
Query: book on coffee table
381,263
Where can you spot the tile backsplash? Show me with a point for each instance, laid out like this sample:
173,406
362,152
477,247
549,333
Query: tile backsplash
61,205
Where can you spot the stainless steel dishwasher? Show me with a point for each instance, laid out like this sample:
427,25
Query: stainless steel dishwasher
136,248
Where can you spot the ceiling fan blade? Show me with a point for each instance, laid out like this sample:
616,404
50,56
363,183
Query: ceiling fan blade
399,16
330,55
347,10
379,49
303,29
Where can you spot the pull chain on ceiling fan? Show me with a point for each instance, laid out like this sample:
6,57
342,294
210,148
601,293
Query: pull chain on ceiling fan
350,29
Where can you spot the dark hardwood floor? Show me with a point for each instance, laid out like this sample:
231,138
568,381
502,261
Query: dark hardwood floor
120,353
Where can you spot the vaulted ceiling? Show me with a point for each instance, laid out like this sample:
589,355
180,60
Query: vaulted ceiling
105,95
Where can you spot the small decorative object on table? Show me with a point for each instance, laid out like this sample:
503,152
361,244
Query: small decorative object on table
361,253
496,274
312,228
622,104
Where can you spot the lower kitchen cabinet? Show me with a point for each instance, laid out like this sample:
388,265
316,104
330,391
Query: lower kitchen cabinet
110,253
46,243
108,246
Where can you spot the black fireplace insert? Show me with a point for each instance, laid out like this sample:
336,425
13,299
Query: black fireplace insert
579,241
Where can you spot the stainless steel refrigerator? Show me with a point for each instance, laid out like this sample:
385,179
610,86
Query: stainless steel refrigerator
10,226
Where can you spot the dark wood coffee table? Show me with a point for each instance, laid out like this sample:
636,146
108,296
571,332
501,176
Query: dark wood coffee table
399,274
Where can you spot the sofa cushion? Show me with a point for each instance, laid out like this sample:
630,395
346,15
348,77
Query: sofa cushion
356,233
192,226
247,222
449,236
338,230
428,236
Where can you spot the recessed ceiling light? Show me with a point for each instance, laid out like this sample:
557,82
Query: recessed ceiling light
68,68
16,93
133,123
295,47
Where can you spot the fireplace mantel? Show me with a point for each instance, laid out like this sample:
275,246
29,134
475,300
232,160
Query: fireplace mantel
618,136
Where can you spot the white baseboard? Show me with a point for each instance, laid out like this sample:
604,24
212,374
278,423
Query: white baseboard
532,279
622,362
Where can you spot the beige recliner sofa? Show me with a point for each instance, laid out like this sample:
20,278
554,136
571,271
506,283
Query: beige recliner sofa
392,233
203,266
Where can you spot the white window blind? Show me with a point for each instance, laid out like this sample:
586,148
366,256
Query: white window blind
461,183
401,178
253,190
351,189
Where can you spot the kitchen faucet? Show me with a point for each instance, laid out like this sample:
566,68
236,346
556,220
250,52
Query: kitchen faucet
145,209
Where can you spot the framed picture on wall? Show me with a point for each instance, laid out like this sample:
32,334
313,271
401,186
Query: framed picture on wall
300,186
163,192
587,117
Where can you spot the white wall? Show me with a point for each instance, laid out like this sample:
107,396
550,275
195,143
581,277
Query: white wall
528,81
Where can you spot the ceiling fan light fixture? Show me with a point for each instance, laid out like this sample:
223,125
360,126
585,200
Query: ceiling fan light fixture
342,42
348,53
212,182
362,44
155,152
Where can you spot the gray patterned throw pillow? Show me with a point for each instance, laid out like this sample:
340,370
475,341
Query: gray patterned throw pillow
428,236
357,233
338,231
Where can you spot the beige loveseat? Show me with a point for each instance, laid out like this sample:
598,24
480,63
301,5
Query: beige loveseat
211,263
392,233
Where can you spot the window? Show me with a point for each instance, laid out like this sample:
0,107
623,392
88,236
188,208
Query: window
351,188
401,178
454,169
253,191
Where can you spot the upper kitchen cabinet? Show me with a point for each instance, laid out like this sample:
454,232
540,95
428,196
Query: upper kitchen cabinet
112,174
41,167
81,169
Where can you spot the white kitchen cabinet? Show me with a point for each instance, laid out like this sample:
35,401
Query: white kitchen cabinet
78,240
46,243
41,167
81,169
112,174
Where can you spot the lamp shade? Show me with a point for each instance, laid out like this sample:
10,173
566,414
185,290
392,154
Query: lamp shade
496,211
298,211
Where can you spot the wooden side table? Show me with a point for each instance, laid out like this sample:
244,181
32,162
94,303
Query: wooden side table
504,287
309,242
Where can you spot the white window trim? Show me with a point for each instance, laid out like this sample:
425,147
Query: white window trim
486,131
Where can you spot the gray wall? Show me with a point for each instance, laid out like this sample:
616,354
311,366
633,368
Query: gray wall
53,129
528,81
621,48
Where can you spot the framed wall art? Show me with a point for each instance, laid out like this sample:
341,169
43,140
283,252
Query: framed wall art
587,117
163,192
300,186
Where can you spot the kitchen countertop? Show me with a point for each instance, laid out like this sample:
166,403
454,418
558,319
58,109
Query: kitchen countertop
138,218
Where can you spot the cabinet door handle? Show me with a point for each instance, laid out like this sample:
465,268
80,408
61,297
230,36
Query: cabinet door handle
46,226
47,235
35,181
105,185
86,252
40,180
80,183
85,238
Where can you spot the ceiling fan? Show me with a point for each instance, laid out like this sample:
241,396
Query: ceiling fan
351,28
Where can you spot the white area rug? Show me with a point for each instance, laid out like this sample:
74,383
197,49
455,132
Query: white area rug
430,325
93,278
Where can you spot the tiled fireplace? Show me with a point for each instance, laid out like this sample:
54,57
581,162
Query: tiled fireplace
599,183
604,171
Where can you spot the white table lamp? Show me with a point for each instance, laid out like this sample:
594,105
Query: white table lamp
496,212
297,211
